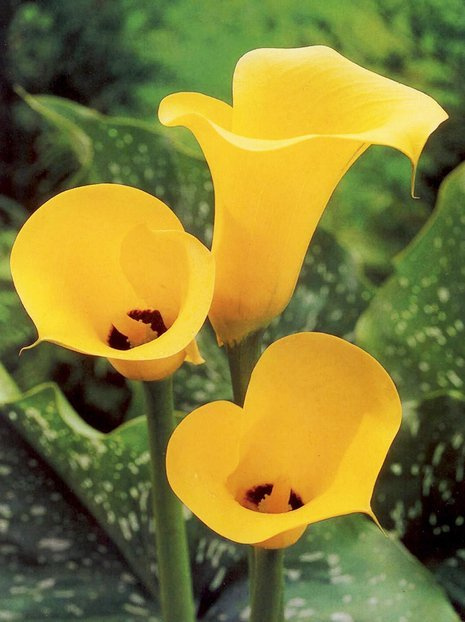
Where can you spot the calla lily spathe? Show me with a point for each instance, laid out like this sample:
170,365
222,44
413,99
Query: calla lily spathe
108,270
318,419
300,118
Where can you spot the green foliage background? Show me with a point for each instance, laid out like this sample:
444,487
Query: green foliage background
79,85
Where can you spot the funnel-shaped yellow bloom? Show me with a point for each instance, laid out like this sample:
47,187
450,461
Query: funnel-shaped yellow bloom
108,270
300,118
318,419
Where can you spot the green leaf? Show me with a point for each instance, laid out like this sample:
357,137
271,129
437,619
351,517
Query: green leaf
56,562
12,216
346,570
109,474
127,151
374,215
15,327
7,237
204,383
421,489
414,325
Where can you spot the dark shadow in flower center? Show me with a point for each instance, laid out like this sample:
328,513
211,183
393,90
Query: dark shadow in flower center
255,495
152,318
117,340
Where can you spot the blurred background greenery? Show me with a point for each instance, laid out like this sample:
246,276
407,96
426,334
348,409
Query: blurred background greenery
112,61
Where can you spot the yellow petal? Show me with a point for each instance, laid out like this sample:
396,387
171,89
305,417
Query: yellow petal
316,91
91,255
299,120
193,354
155,369
319,417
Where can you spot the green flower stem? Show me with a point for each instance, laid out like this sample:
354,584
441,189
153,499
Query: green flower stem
267,590
242,357
176,596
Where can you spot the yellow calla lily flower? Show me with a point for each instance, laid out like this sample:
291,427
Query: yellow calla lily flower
318,419
108,270
300,118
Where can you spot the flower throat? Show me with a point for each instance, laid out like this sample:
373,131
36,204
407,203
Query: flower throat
155,327
272,498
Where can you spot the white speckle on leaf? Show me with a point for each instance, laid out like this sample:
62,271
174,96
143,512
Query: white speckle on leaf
4,524
54,544
311,557
46,584
136,611
454,378
125,528
437,455
342,579
74,609
293,574
218,579
38,510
